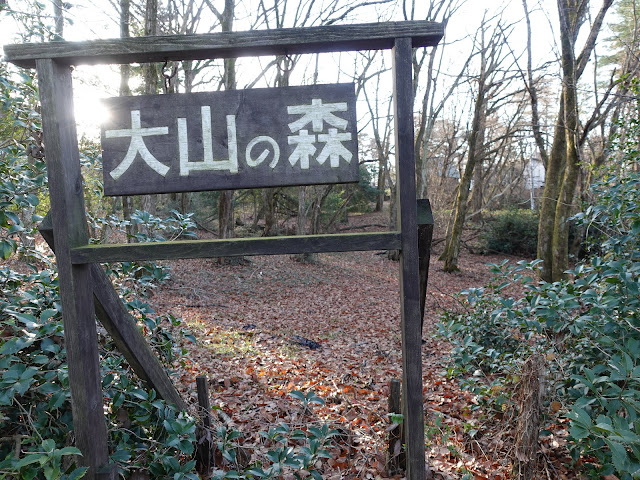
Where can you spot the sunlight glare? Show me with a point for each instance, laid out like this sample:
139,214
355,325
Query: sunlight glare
90,114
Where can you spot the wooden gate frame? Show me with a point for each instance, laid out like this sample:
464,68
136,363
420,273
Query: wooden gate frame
81,277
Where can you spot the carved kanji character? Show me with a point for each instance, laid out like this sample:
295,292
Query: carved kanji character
316,114
304,148
136,132
208,162
334,149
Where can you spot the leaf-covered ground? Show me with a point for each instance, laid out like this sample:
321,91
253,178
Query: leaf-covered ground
272,324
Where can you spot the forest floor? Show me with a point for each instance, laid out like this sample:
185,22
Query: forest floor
271,325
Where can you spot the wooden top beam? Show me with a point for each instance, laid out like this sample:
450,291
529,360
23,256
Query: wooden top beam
285,41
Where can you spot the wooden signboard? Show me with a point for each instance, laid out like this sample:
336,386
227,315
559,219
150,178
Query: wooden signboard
228,140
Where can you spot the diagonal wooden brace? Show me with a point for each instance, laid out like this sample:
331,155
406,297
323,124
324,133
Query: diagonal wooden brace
425,236
122,327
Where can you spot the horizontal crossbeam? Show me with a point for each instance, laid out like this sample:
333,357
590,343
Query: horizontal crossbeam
351,242
284,41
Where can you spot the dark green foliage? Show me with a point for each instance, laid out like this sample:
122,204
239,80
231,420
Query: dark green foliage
35,399
588,327
514,232
290,451
22,169
364,193
490,340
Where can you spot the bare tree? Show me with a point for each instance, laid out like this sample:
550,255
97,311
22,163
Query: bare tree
58,15
563,164
492,81
428,65
380,120
225,201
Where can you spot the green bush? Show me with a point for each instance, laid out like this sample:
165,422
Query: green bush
587,327
514,232
35,398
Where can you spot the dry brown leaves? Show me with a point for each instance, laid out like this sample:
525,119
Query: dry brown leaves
248,319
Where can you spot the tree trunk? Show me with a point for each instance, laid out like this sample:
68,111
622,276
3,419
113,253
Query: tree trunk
477,191
225,214
124,90
184,202
476,146
560,241
393,221
529,397
553,175
301,225
150,70
58,14
452,246
382,170
225,202
563,169
269,205
125,69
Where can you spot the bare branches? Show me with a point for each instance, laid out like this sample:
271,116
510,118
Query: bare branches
533,93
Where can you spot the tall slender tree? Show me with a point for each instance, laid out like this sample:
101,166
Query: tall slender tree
225,201
124,90
428,69
562,166
493,79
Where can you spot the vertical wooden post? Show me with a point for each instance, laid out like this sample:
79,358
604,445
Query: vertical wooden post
409,278
396,457
76,289
425,236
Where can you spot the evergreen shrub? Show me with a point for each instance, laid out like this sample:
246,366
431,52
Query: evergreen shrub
587,327
514,232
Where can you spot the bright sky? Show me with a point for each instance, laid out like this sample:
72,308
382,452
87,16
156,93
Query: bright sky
91,19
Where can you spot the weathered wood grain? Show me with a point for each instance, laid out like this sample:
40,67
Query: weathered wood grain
122,328
250,137
76,292
409,276
285,41
107,472
425,237
396,455
236,247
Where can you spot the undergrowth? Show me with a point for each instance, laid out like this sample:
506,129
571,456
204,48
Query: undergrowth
586,327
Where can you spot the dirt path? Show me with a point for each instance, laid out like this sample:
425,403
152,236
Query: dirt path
252,322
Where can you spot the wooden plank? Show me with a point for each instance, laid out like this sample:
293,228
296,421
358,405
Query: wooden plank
285,41
122,328
409,278
396,455
107,472
258,137
351,242
425,237
76,292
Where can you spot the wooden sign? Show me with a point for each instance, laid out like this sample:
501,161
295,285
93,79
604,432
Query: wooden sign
228,140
